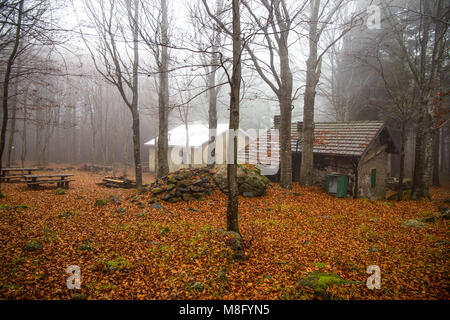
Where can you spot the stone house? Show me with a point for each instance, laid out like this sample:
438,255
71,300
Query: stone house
359,150
198,140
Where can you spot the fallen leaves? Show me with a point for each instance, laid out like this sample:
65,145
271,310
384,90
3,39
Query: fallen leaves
131,251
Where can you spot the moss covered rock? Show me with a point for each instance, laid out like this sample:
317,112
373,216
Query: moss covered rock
319,282
249,179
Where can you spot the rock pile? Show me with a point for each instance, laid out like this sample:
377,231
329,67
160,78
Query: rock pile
184,184
196,183
250,181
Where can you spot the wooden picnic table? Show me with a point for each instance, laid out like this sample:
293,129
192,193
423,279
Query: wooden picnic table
7,174
34,180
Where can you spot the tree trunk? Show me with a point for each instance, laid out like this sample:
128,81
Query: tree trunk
188,156
312,77
212,112
233,192
163,97
6,81
135,106
137,151
423,167
285,142
285,100
436,145
23,153
10,150
402,162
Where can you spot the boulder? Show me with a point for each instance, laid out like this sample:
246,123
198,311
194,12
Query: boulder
249,180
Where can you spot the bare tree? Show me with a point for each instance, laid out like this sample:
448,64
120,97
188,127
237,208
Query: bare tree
275,29
319,19
235,85
17,13
111,50
210,57
155,34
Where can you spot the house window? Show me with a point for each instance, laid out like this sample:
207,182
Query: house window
373,178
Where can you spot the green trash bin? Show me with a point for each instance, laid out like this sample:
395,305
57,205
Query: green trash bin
336,184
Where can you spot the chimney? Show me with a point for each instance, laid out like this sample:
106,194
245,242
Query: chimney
299,126
276,122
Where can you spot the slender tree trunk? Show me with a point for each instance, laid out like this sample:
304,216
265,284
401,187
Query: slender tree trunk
135,106
137,151
436,145
285,99
6,81
402,162
233,192
312,78
285,141
23,153
163,164
187,145
212,111
10,150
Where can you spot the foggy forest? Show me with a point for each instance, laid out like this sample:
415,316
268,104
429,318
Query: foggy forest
350,97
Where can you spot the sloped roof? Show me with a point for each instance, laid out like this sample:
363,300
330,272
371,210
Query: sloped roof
331,138
198,134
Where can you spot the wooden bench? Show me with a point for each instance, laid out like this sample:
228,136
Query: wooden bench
61,181
113,182
10,175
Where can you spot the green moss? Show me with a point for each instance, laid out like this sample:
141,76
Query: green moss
60,191
100,202
67,214
319,282
164,231
33,245
319,264
117,264
389,204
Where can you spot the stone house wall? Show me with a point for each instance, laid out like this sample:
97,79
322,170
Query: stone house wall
376,158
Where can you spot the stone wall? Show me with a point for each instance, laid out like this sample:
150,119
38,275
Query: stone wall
376,158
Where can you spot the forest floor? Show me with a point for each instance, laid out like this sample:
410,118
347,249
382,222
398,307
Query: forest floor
132,251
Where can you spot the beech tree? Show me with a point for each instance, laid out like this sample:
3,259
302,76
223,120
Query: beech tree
113,62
